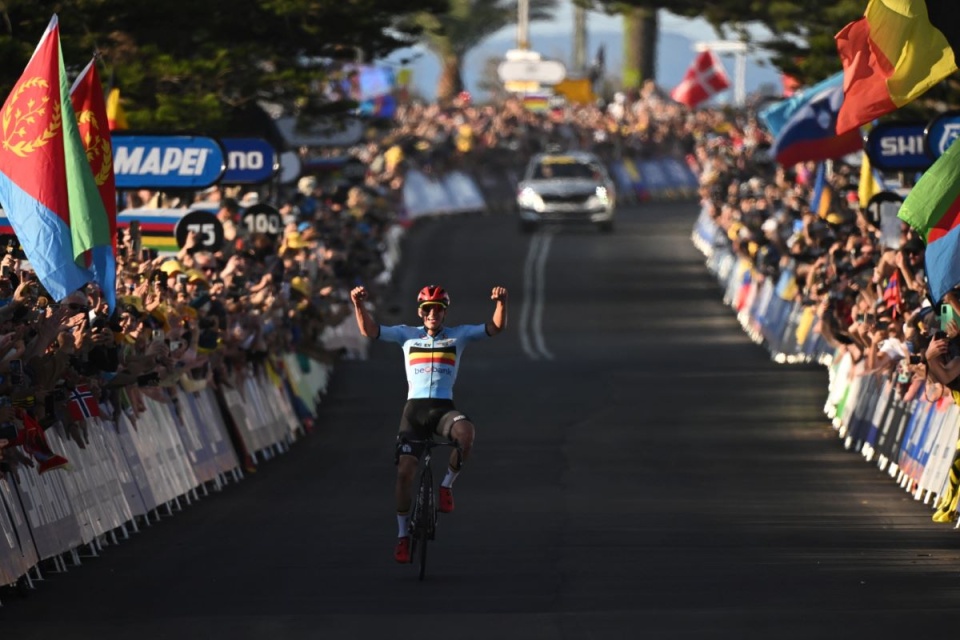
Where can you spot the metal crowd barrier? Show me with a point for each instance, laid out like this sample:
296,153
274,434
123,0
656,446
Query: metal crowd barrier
914,439
129,470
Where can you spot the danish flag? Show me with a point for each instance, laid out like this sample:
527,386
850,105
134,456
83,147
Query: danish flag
704,79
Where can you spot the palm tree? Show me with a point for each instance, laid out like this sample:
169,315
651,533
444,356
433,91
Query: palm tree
466,24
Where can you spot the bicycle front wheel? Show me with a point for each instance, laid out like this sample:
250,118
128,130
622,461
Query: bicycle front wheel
427,515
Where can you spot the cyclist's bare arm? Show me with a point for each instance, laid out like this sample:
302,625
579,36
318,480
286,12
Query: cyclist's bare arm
499,321
368,326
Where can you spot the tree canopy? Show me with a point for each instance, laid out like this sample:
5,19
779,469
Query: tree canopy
203,64
799,33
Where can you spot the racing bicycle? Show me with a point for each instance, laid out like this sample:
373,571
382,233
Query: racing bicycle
423,519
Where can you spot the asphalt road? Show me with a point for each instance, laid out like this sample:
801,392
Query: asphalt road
642,470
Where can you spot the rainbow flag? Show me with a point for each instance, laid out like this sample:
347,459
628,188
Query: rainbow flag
933,209
893,55
157,227
47,187
536,103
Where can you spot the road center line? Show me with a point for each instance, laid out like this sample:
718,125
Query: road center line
531,309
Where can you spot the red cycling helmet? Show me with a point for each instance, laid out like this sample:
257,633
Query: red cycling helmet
433,294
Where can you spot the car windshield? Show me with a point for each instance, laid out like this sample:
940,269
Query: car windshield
553,169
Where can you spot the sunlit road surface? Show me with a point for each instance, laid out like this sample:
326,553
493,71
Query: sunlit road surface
642,470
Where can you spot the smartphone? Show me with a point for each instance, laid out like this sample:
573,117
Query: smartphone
946,315
16,371
157,334
135,238
940,335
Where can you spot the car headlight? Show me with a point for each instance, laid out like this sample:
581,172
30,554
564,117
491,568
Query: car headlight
602,195
530,199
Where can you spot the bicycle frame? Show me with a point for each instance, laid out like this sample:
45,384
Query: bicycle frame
423,517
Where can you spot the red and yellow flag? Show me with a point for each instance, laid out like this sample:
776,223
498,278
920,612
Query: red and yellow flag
116,116
894,54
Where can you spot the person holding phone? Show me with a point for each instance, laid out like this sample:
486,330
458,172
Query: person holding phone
941,354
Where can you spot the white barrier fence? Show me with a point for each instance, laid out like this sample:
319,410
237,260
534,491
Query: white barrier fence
893,424
454,192
128,470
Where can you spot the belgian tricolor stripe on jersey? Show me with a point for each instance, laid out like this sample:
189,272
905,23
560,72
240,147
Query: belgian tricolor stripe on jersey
427,355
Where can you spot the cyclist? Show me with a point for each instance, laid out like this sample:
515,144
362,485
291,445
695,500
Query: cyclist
433,354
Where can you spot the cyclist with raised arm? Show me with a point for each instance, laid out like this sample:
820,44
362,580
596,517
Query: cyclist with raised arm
432,353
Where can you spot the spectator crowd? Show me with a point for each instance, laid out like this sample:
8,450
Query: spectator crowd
202,317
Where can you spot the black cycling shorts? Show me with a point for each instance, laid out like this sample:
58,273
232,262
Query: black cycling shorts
422,419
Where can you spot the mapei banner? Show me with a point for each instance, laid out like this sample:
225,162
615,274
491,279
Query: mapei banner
167,162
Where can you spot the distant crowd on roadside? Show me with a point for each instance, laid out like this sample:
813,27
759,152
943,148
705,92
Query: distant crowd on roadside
861,272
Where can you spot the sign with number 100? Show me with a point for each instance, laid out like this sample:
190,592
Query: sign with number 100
262,218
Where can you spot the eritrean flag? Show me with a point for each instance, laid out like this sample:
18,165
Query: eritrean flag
933,209
86,95
47,187
894,54
426,355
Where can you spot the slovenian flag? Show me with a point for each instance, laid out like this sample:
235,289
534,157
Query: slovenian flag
47,187
776,115
894,54
810,135
933,209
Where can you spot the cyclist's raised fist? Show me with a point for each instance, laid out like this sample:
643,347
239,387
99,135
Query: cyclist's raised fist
358,294
499,294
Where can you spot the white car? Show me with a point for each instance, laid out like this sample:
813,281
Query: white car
566,187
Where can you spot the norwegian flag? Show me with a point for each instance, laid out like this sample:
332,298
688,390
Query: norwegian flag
704,79
83,404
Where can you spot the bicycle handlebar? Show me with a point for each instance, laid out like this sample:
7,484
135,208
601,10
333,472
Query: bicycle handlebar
431,443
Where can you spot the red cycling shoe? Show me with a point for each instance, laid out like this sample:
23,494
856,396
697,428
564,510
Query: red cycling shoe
446,500
401,553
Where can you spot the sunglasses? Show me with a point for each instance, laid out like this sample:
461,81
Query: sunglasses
427,308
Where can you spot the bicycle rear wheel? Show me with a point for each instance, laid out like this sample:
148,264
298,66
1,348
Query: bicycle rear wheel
427,514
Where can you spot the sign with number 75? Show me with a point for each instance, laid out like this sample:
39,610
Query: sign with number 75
206,229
